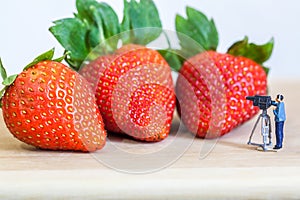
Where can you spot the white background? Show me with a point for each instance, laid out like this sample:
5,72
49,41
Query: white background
24,27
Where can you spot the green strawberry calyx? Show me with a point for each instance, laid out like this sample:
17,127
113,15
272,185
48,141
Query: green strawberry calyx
198,27
9,80
95,22
204,33
257,53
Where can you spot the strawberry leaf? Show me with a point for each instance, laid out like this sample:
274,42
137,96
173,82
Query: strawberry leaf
71,33
257,53
198,27
106,25
173,58
96,22
84,9
9,80
2,71
60,59
126,25
137,16
102,21
110,20
79,35
6,82
45,56
86,13
2,92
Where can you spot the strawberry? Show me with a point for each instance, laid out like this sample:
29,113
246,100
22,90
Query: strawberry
212,86
50,106
133,84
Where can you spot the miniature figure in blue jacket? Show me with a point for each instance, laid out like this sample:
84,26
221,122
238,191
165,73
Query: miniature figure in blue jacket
280,118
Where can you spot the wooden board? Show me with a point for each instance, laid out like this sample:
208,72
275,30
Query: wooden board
224,168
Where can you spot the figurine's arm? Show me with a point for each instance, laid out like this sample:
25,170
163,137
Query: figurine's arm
275,111
274,103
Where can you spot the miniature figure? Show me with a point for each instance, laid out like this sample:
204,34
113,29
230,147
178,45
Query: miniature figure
280,118
265,102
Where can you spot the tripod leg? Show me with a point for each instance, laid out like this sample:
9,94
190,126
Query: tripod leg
265,131
250,138
270,131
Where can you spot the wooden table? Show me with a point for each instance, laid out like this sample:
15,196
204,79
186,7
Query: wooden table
231,169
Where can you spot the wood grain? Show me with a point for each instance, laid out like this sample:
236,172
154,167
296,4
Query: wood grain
223,168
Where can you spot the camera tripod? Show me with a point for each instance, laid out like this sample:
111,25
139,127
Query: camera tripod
265,131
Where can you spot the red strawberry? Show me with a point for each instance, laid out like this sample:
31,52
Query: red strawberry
134,92
212,87
233,77
50,106
133,84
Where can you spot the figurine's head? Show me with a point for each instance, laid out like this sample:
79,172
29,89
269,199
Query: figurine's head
279,98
